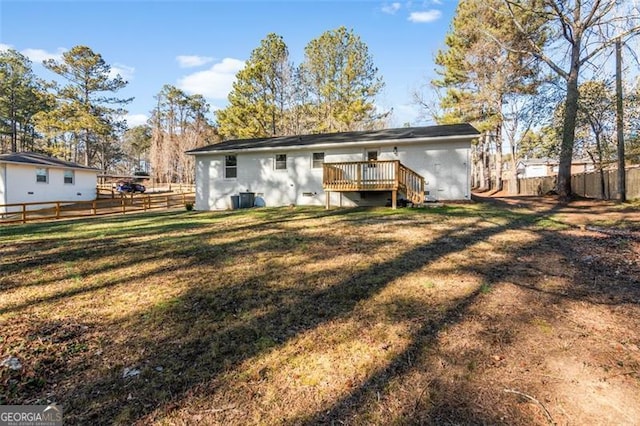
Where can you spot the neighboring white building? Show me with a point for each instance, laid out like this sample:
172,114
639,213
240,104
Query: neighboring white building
541,167
28,177
288,170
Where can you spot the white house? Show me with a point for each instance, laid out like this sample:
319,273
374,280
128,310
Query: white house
28,177
350,169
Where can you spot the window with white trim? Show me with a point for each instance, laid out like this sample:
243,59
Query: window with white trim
317,160
69,177
42,175
230,166
281,162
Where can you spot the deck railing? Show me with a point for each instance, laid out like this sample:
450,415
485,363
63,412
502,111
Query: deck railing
389,175
412,184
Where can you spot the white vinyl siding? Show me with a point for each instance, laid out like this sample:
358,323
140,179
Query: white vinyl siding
444,165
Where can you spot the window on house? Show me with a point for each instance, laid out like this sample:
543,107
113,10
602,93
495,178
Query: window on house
230,166
318,160
69,177
281,161
42,175
372,156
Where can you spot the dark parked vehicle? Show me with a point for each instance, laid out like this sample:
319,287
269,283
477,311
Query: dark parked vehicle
130,187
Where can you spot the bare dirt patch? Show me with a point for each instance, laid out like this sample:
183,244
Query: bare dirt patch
502,312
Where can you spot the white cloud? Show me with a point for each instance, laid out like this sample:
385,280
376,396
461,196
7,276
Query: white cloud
438,2
39,55
426,16
190,61
392,8
125,71
214,83
4,47
136,119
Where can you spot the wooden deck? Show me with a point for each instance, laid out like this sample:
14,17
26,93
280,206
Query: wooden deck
373,176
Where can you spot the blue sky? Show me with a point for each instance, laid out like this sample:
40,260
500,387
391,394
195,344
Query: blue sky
199,45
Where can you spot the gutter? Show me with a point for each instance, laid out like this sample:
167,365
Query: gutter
386,142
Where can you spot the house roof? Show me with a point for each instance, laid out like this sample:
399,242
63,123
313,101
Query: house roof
32,158
405,134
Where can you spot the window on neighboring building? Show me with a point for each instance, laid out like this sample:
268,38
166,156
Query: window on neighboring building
281,161
230,166
69,177
318,160
42,175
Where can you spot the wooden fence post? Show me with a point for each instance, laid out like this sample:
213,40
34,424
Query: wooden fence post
95,207
57,209
122,201
24,213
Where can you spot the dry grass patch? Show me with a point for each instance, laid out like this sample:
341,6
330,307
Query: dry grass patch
465,314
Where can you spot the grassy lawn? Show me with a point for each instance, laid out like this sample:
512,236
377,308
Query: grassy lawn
462,314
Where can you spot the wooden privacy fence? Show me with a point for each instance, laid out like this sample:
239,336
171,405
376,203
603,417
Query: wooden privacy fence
586,185
47,210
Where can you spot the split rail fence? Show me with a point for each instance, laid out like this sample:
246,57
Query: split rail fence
49,210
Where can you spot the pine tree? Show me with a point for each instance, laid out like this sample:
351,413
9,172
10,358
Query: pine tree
261,95
478,76
22,95
342,82
83,109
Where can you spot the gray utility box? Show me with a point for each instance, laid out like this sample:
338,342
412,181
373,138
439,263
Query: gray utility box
247,199
235,202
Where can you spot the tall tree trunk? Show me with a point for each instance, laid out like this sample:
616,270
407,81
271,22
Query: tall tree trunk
14,129
86,148
563,185
499,184
622,184
514,170
479,163
486,162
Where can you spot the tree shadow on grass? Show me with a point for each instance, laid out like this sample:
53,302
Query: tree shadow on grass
208,330
460,400
197,344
